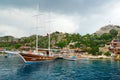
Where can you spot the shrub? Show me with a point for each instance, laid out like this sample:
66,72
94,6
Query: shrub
107,53
99,53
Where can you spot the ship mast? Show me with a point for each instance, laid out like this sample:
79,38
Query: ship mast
49,42
36,42
37,22
49,32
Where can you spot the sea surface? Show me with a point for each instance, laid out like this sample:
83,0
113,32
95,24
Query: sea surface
12,68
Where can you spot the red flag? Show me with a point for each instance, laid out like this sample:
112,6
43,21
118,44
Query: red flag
47,34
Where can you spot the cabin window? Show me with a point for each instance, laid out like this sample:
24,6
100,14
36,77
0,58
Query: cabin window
114,44
118,52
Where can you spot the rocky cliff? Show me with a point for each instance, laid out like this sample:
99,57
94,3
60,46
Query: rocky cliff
107,28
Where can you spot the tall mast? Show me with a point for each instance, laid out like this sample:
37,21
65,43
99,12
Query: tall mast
49,42
36,42
49,32
37,19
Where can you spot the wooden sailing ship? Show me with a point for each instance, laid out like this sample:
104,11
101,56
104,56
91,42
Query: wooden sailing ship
36,57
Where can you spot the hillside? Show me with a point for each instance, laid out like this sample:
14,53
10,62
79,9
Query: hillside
107,28
89,43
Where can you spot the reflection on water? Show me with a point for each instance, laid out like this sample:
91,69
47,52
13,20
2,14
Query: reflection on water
13,69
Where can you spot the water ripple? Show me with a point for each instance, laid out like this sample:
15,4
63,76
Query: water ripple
13,69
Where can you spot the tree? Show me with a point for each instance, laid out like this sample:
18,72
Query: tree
94,50
61,44
99,53
106,37
17,46
113,32
107,53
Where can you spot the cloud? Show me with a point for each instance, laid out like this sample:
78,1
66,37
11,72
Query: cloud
113,12
79,16
109,14
83,7
11,30
63,23
19,22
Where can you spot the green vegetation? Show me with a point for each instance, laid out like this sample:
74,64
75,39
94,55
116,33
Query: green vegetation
107,54
89,43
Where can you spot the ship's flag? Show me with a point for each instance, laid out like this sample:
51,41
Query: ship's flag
47,34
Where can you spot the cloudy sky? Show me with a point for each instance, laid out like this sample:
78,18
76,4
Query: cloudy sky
21,17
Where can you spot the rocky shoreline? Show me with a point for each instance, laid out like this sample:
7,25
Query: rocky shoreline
97,57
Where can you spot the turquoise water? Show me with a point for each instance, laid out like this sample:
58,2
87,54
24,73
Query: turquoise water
13,69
